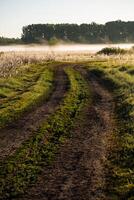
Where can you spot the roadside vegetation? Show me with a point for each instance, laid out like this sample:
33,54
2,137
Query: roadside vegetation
22,92
120,79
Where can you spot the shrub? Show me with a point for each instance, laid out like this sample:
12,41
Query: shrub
111,51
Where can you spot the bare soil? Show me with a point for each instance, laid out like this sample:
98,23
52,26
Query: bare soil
14,135
78,171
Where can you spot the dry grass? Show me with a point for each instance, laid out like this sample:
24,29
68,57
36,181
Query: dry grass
11,61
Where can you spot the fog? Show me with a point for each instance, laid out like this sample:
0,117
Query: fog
62,48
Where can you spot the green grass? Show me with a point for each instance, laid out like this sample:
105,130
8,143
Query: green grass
34,83
20,93
21,169
121,162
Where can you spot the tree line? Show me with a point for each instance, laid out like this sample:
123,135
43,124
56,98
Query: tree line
111,32
6,41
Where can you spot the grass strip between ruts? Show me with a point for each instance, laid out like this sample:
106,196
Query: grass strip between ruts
22,169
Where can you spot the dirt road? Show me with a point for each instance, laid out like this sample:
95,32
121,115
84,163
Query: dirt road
78,171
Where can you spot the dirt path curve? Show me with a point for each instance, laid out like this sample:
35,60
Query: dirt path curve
77,172
12,137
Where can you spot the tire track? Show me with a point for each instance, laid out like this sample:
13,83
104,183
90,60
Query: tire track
78,171
14,135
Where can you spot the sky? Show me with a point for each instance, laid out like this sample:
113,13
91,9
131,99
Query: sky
14,14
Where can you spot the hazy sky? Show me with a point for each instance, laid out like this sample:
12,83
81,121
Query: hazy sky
14,14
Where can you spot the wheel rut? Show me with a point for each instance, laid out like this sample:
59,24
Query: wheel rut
78,171
14,135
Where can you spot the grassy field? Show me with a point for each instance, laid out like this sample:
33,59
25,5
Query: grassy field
28,84
20,93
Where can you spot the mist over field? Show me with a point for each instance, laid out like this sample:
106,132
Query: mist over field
62,48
